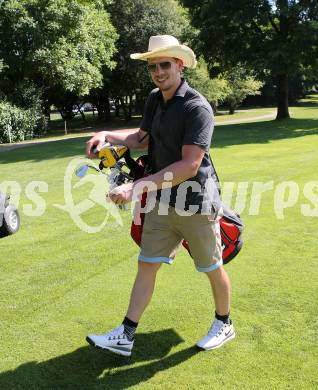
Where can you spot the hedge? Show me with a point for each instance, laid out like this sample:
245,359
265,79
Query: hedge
18,124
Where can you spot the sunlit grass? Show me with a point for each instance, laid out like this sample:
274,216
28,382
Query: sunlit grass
59,283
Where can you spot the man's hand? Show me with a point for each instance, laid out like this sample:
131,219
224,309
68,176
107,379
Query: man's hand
96,142
122,194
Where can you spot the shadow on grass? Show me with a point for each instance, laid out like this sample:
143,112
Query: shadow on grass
46,151
263,132
89,368
226,135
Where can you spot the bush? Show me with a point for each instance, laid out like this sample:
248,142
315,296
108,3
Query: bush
18,124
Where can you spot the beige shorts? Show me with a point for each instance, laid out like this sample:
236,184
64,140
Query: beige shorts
163,234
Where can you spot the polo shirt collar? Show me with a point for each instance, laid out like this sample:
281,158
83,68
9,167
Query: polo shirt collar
181,91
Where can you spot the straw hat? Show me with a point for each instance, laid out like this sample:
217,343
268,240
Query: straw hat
167,46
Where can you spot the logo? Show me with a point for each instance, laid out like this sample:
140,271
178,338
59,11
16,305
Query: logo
96,197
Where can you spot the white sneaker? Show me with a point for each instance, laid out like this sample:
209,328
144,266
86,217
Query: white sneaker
115,341
218,334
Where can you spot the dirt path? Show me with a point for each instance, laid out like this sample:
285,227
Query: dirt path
244,120
25,144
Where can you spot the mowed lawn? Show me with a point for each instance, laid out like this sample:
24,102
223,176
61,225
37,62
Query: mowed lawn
59,283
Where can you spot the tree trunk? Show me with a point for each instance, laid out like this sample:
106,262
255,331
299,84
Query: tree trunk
232,106
282,77
117,107
62,114
79,107
282,96
99,108
130,107
231,110
124,107
107,109
214,107
47,111
139,104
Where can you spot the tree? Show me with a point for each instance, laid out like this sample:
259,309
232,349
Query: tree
214,90
135,22
240,85
278,37
58,45
231,87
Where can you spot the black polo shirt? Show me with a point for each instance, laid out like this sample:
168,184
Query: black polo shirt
185,119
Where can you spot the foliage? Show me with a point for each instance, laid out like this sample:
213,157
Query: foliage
231,87
135,22
277,36
60,45
18,124
244,31
214,90
22,114
27,95
240,84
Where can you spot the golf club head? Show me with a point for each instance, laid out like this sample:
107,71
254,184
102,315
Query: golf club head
81,171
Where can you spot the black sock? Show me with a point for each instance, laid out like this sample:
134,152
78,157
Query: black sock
225,318
129,328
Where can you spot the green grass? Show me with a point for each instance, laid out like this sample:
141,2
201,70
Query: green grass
79,128
59,283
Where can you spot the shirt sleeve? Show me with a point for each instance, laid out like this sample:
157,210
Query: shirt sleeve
199,124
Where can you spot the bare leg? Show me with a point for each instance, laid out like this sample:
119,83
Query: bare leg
221,288
142,290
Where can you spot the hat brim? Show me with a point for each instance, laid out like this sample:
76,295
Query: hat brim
182,52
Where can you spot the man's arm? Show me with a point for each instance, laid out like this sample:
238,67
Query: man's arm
132,138
181,170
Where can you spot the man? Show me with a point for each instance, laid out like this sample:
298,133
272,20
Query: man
177,128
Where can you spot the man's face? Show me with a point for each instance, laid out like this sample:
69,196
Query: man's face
168,75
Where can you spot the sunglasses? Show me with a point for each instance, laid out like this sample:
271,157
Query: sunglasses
162,65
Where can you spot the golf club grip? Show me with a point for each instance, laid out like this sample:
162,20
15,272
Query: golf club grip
135,168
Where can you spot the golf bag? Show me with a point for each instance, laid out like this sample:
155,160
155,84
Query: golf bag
231,225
